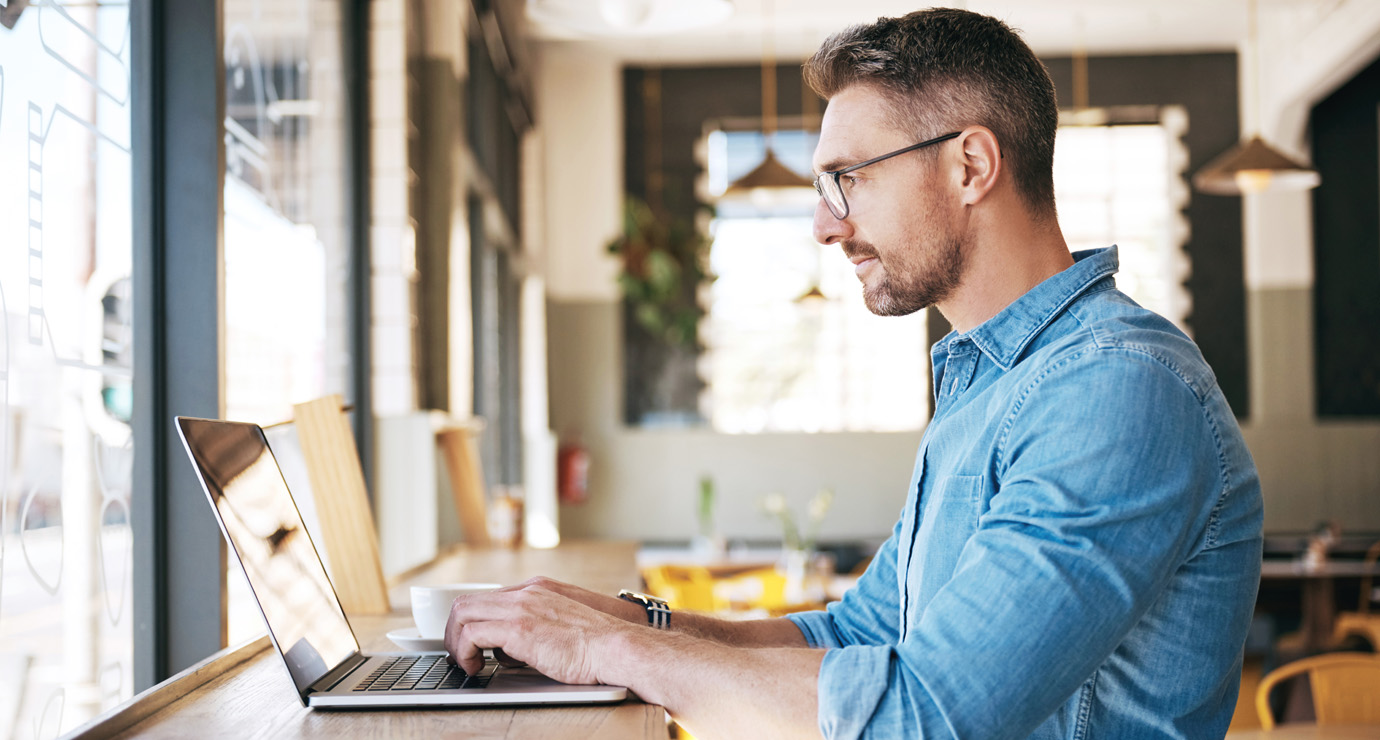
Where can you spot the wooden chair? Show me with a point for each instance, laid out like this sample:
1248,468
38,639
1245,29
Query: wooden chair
1362,623
1345,686
460,449
347,530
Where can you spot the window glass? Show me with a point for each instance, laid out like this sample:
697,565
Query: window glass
286,241
66,636
286,250
791,347
1123,184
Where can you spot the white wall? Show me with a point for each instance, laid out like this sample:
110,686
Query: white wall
579,110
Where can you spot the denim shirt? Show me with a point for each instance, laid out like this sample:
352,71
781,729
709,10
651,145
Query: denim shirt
1079,552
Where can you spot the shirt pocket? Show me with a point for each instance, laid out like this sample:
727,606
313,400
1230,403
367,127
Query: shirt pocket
949,520
960,502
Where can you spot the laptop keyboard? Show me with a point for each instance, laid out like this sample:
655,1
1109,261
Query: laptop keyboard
423,673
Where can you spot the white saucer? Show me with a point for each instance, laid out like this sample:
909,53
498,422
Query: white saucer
411,639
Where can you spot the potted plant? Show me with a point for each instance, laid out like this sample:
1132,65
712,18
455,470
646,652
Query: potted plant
663,267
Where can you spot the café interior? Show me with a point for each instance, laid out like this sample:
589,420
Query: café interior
520,284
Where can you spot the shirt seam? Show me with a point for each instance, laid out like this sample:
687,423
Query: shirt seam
1085,704
1215,517
1017,349
1010,421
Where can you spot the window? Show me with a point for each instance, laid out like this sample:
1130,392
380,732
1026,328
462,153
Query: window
1121,182
286,250
791,346
66,633
287,256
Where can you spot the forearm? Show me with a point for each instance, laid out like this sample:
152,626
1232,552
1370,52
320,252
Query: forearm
755,633
718,690
776,633
759,633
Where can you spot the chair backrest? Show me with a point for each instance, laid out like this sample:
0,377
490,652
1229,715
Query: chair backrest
1346,688
1367,582
1361,624
348,534
460,449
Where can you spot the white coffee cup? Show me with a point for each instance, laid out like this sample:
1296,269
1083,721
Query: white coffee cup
431,605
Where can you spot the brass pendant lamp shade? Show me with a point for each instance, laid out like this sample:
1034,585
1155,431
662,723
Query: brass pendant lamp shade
770,174
771,178
1253,166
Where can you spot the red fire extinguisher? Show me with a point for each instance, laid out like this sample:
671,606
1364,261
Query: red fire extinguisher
572,472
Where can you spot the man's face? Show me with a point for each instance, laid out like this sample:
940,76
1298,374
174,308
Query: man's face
903,230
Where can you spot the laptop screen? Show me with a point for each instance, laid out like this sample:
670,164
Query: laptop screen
266,533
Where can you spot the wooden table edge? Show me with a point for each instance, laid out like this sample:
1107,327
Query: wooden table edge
147,703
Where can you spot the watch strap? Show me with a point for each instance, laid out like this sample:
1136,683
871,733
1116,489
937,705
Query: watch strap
658,611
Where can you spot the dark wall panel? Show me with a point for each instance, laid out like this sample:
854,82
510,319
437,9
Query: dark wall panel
1346,248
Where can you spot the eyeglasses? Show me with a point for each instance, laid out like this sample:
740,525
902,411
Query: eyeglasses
829,188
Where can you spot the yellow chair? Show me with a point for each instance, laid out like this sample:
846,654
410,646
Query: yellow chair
683,586
1362,623
759,588
1346,688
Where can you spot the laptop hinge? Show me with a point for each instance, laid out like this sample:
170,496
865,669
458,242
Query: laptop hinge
332,679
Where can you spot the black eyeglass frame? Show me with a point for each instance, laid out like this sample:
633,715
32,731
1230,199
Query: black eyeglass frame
836,174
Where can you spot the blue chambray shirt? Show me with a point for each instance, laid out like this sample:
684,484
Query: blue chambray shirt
1079,551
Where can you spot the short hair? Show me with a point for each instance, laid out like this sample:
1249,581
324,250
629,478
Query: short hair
946,69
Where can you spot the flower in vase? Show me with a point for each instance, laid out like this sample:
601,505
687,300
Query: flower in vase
774,504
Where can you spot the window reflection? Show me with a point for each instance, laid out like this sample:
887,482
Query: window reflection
274,548
65,363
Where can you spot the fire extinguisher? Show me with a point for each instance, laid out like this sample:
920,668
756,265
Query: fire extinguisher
572,472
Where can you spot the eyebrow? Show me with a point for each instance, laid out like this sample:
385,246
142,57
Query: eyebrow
837,163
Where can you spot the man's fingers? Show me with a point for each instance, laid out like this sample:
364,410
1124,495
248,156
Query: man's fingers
466,654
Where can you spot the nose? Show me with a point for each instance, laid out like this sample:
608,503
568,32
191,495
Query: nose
829,230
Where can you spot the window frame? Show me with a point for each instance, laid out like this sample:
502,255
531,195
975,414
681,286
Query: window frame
178,259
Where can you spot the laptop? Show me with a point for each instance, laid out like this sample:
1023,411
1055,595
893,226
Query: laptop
308,627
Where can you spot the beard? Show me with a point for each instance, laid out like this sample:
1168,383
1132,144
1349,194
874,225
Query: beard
913,279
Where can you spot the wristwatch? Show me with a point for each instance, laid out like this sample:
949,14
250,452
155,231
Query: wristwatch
658,611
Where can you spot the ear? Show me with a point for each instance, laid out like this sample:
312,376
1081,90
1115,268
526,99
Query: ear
982,163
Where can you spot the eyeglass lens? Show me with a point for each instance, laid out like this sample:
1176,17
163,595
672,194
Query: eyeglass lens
827,185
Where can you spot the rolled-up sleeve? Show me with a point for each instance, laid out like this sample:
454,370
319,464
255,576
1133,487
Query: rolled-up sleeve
1106,482
868,612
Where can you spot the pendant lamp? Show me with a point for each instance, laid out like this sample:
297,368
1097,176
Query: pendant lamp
770,180
1253,166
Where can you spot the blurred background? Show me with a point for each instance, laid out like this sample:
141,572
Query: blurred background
580,228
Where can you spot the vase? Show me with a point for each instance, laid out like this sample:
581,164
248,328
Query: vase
795,565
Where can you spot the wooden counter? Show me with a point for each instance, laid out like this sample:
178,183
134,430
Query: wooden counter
245,692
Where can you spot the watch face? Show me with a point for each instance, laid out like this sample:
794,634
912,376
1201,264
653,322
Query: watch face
644,599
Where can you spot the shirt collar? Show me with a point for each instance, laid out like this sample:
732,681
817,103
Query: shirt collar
1005,336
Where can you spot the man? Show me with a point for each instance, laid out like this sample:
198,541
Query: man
1080,546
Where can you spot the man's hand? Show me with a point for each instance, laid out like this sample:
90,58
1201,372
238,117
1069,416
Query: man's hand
603,602
748,679
556,628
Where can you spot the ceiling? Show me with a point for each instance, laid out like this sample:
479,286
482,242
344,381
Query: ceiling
1051,27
